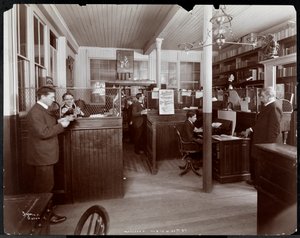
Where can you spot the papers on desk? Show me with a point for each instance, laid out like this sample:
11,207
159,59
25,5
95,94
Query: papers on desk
225,137
216,124
97,115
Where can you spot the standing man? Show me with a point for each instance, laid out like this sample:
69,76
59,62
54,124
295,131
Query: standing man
267,125
43,148
139,121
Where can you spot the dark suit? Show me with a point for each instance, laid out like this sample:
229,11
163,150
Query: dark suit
188,135
139,126
266,130
267,125
188,131
43,148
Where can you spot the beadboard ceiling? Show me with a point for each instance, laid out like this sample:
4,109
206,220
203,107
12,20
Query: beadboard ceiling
137,26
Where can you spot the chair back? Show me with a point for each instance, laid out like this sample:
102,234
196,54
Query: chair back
179,140
94,221
184,146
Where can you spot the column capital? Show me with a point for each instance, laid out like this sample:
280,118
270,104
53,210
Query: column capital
158,42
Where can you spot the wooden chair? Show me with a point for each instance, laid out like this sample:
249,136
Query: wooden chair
187,149
94,221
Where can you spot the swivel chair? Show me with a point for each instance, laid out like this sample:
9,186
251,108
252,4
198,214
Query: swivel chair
94,221
186,150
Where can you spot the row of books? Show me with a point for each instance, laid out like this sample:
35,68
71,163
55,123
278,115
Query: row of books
286,71
284,33
288,50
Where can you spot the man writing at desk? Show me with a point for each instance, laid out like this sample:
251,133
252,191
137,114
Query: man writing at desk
189,131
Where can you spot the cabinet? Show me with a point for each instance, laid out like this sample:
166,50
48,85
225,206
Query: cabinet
276,188
231,160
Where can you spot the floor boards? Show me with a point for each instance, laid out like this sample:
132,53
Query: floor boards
167,204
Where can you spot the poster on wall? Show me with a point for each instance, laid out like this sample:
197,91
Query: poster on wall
166,102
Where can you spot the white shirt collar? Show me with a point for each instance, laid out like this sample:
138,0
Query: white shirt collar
42,104
273,100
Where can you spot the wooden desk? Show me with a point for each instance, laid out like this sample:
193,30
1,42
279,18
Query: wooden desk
161,137
231,160
27,214
277,188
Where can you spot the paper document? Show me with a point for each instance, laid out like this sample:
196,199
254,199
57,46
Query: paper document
225,137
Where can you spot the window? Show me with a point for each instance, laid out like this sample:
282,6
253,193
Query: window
140,70
40,76
168,74
22,30
23,82
53,57
39,47
189,75
104,70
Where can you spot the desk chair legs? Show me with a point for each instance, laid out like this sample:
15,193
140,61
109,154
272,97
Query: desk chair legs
188,166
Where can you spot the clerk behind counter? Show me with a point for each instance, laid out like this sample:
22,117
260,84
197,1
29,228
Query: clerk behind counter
70,108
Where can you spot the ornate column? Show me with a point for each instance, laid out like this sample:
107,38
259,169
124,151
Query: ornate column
158,61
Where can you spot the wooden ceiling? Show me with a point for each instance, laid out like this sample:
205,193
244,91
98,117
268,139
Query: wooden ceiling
137,26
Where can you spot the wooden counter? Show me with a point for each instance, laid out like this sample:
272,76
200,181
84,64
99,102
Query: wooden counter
277,188
91,163
161,137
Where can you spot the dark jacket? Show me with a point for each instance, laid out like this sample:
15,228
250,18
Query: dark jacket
188,131
267,125
137,118
43,148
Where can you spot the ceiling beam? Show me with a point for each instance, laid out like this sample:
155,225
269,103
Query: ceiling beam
151,45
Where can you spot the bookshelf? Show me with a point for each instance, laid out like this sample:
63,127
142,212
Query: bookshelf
249,67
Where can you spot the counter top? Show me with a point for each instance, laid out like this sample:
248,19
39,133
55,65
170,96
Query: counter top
286,151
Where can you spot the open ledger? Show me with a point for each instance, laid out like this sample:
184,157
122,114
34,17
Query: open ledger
223,137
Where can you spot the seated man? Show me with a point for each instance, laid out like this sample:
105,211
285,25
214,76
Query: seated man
189,130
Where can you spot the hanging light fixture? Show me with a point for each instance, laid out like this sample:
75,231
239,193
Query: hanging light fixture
221,22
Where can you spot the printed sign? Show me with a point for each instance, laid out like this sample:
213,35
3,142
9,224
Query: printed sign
166,102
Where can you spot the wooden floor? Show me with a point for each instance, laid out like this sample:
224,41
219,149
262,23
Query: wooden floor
167,204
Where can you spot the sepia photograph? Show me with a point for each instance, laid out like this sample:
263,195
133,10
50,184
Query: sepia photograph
149,119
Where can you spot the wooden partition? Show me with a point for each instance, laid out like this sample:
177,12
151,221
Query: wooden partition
91,160
161,138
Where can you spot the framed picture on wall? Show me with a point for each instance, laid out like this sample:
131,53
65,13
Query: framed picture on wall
125,63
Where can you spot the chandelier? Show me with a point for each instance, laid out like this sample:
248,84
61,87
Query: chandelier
221,25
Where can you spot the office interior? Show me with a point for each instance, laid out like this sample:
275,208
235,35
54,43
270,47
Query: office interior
213,61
